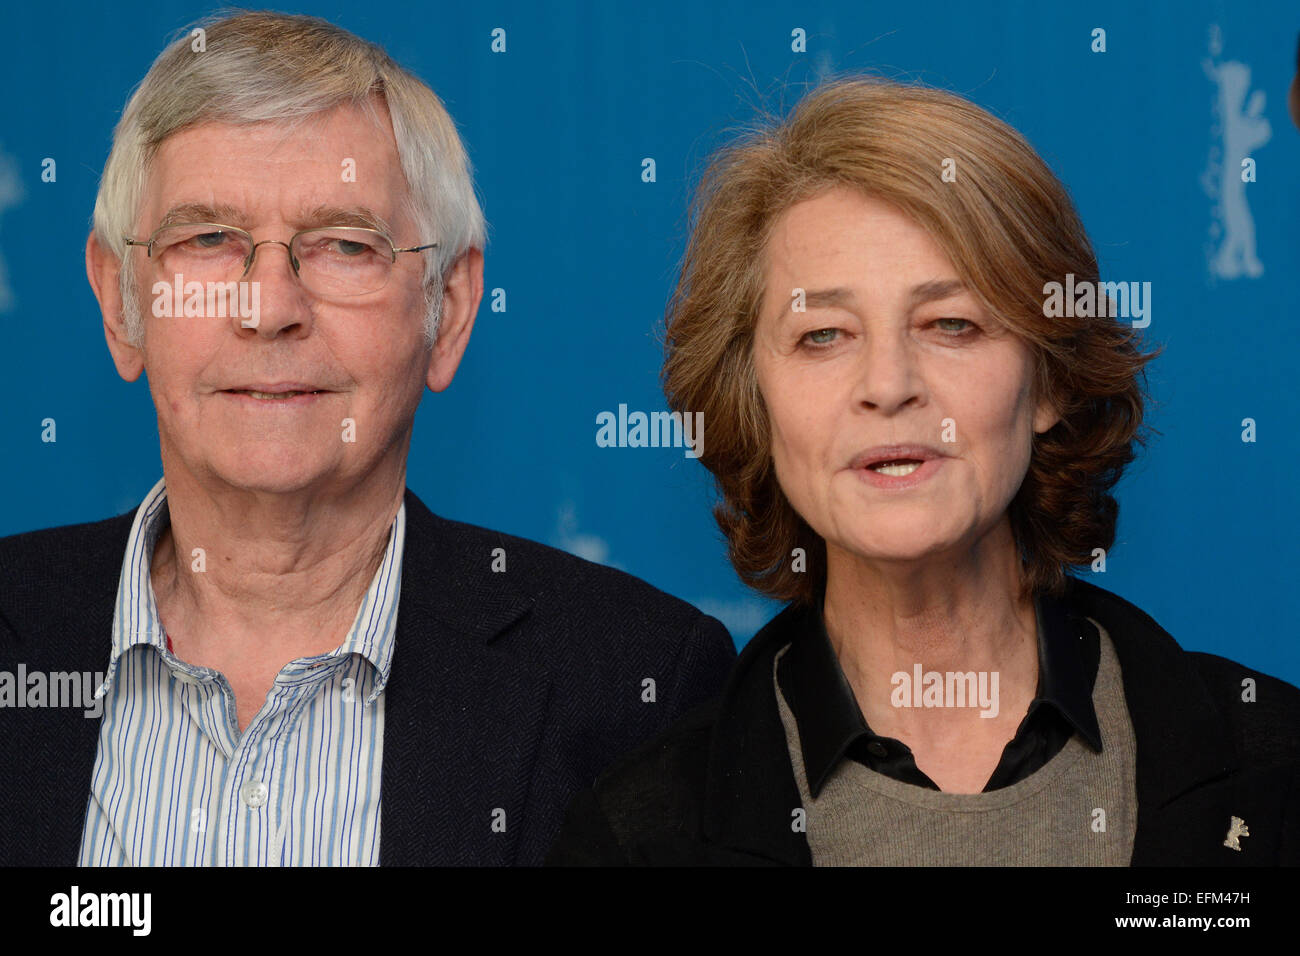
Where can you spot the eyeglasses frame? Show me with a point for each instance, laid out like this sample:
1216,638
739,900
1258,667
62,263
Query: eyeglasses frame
293,260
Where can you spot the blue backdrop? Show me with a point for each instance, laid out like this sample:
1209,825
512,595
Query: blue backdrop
557,127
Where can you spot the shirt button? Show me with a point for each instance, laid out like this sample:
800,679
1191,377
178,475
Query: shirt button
185,678
877,749
254,793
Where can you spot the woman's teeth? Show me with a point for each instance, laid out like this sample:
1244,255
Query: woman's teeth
896,469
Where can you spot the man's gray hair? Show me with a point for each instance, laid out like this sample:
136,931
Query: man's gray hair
269,66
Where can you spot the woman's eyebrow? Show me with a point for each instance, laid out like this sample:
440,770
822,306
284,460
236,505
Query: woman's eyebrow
840,297
836,297
934,290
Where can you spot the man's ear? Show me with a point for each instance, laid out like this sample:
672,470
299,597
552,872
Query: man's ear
461,294
102,269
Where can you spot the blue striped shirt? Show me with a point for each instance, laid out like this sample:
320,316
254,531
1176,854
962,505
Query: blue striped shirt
175,782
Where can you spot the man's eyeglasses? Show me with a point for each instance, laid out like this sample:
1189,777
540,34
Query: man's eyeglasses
329,261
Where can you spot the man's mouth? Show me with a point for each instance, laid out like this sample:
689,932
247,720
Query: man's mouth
271,396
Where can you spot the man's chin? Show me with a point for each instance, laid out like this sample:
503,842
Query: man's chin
272,475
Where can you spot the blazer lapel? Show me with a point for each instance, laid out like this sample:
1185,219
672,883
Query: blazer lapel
464,705
750,793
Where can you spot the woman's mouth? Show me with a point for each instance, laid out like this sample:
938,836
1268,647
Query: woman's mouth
899,474
897,468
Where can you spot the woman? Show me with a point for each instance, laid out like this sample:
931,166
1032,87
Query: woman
912,444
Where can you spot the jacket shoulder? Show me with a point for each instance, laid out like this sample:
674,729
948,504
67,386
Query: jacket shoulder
51,573
661,803
668,770
71,544
651,797
661,787
1262,711
599,632
594,605
548,571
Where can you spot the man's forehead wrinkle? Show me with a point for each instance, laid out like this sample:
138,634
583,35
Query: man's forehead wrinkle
330,204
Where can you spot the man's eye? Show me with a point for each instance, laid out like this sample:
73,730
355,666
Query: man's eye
350,248
209,240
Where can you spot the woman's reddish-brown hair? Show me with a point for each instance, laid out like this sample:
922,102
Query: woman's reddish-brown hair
1008,226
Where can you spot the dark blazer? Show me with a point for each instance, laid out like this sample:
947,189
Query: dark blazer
507,690
718,788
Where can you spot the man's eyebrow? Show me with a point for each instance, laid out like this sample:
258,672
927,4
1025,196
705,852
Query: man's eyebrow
202,212
228,215
359,216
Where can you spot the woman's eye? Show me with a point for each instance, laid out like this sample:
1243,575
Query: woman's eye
957,332
821,336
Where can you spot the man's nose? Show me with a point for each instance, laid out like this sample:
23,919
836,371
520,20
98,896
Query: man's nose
272,242
279,301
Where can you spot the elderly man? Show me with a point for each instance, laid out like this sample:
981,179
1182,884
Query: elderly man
300,663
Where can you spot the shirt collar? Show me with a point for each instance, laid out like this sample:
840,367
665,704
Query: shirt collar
829,720
135,613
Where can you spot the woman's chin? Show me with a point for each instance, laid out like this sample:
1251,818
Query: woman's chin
902,547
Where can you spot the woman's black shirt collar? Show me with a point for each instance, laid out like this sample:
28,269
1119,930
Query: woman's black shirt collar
832,728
